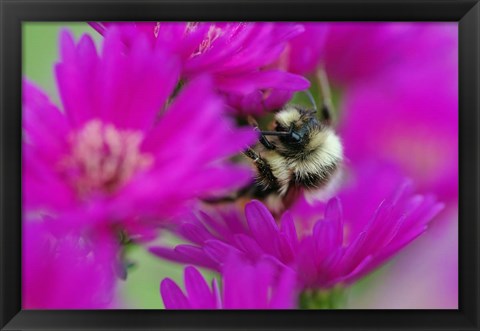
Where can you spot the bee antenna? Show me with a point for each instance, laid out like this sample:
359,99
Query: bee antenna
312,100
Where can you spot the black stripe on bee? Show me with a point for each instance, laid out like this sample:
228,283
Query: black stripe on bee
315,179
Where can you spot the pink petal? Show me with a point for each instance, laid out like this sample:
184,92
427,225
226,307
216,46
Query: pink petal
172,295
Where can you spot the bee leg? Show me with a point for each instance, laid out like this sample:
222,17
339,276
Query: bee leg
266,177
267,181
231,198
250,153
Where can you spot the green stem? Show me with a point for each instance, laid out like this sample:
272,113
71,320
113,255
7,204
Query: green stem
323,299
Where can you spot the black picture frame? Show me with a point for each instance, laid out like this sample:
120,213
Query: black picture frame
13,12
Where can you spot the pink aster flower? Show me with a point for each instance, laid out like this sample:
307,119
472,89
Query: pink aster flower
304,51
399,87
432,283
355,52
325,244
241,57
412,121
244,286
63,270
121,149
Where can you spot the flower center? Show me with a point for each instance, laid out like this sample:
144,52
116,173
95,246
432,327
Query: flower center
156,29
212,34
103,158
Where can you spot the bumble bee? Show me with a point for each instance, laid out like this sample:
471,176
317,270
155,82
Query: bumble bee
302,153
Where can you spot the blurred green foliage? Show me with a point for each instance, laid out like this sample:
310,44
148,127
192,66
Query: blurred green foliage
40,51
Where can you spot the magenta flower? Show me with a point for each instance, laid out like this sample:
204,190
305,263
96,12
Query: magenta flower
121,149
355,52
346,247
304,52
244,286
63,270
432,283
380,120
412,122
241,57
322,243
144,132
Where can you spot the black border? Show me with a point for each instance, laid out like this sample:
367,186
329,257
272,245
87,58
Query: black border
13,12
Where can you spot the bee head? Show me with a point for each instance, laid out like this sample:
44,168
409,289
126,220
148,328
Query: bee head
299,123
